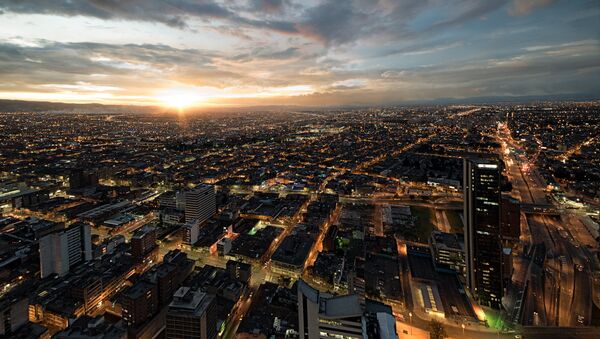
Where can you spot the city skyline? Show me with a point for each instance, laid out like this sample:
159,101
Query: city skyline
477,221
252,169
284,52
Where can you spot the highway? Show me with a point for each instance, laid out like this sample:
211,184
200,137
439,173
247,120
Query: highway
559,270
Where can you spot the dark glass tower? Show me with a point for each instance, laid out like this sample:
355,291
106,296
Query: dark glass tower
483,244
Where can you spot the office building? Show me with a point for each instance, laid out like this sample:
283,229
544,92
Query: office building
88,289
64,248
143,242
13,314
200,203
170,274
510,220
239,271
483,247
140,303
190,232
323,315
172,200
191,315
448,251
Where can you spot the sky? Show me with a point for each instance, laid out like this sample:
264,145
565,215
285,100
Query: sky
296,52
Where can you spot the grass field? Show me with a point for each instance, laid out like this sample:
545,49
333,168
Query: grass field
455,221
424,223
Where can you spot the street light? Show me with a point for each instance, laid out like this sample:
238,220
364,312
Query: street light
463,328
410,316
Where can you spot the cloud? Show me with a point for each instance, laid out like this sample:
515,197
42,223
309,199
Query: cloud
331,22
349,84
174,13
468,10
532,73
269,6
47,62
423,48
318,51
524,7
334,22
265,54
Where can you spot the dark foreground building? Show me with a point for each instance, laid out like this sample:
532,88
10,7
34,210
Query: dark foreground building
483,247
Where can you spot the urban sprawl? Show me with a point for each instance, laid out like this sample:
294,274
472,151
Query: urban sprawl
476,221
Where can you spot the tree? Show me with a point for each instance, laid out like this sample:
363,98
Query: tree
436,330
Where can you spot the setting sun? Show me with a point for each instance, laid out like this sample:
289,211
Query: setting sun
180,98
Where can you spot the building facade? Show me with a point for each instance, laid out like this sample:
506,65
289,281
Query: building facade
200,203
143,242
483,246
448,251
62,249
140,303
191,315
321,315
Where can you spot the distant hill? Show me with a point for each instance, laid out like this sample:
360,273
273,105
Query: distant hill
46,106
507,99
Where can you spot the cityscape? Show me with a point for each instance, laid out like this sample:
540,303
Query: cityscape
172,190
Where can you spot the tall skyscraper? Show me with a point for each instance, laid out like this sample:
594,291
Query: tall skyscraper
483,247
200,203
64,248
510,220
191,315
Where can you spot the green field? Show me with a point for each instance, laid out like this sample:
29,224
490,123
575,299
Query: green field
424,223
455,221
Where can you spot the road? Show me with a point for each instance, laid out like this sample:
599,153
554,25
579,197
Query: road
560,270
526,182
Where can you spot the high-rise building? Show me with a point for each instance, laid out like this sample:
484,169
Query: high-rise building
140,303
191,315
64,248
200,203
510,220
483,246
169,274
143,242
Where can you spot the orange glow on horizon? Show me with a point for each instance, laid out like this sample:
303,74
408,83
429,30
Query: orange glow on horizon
180,98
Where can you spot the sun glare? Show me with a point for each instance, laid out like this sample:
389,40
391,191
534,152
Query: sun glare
180,98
